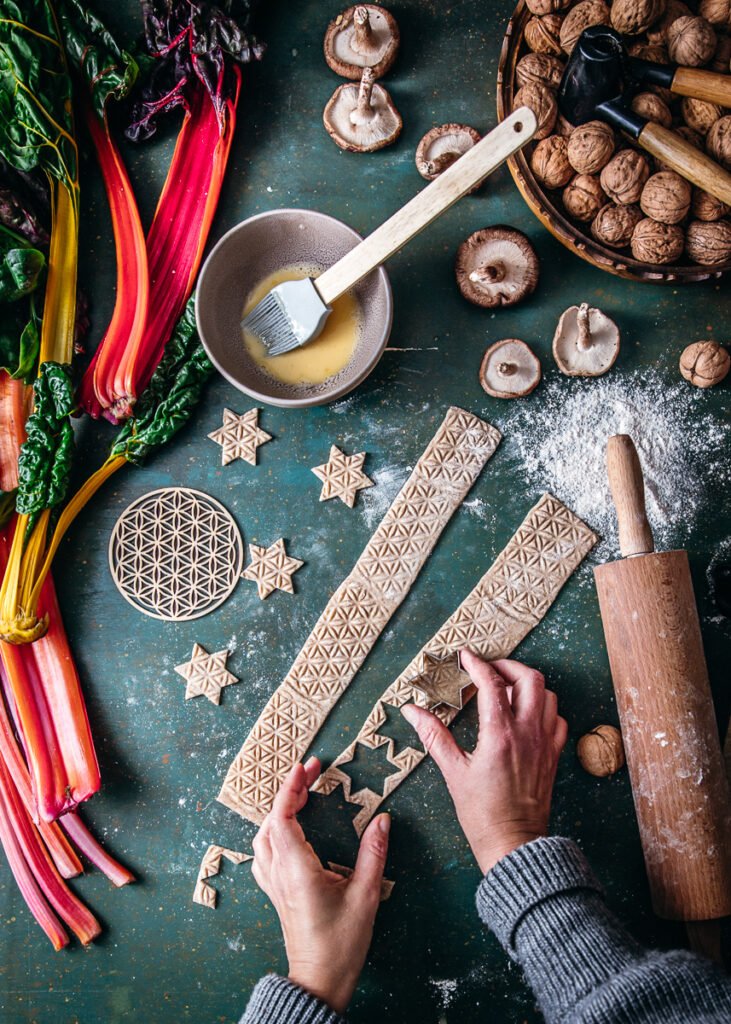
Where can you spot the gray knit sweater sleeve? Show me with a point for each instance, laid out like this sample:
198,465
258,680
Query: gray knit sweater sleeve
545,906
276,1000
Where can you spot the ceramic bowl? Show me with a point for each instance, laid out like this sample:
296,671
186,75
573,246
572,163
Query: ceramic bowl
250,252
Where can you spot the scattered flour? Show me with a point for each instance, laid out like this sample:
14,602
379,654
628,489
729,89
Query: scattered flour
447,989
560,447
377,500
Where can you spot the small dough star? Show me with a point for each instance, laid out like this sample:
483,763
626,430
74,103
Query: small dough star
206,674
442,680
240,436
271,568
342,476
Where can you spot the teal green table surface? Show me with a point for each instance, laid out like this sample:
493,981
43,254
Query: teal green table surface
161,958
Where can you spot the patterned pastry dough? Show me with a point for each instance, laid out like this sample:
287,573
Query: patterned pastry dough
358,612
510,599
204,893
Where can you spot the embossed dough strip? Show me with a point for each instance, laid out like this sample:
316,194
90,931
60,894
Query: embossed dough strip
358,611
510,599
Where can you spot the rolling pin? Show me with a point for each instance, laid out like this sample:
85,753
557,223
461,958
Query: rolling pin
653,637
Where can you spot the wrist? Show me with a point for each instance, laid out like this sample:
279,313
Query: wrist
488,852
334,989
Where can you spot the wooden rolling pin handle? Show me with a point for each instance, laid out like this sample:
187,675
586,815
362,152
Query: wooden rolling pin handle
703,85
628,494
686,160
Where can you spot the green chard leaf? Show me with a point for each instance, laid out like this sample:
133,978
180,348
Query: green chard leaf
173,392
94,53
45,458
20,341
21,266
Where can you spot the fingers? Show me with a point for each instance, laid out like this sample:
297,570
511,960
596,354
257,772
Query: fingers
550,712
493,701
529,688
293,792
561,734
371,861
436,738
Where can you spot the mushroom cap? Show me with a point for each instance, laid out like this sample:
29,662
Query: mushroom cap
365,136
509,369
496,266
441,146
575,361
348,63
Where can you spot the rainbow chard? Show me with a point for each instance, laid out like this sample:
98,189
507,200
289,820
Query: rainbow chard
37,132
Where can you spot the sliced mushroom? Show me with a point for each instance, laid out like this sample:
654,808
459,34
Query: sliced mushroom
362,118
509,369
496,266
586,342
365,36
441,146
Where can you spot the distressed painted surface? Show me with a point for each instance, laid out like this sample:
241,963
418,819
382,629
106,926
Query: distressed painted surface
161,957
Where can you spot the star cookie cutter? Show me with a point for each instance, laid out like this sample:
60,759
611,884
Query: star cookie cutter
442,680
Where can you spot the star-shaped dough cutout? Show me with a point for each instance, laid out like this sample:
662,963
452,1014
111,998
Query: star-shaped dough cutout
442,680
342,476
240,436
271,568
206,674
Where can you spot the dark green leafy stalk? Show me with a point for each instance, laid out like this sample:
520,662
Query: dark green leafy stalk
94,53
173,392
21,267
45,458
20,341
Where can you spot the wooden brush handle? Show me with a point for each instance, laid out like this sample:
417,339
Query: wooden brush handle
466,172
703,85
628,494
688,161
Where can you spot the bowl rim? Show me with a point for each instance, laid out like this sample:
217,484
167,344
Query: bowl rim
305,402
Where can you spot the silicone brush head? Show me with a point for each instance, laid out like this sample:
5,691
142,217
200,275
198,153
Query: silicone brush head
290,315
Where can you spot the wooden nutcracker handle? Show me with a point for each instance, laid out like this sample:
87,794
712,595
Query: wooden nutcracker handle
628,494
459,179
703,85
689,162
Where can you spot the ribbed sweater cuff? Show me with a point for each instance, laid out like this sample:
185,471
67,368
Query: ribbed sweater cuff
526,877
277,1000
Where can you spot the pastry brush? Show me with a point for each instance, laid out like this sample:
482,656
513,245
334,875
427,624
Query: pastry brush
295,312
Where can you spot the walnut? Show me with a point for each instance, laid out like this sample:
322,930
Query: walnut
650,106
632,17
675,9
601,751
666,197
584,14
564,128
590,147
541,68
704,363
699,114
718,141
542,102
625,175
583,197
613,225
709,243
540,7
718,12
657,243
550,164
542,34
706,207
691,41
722,55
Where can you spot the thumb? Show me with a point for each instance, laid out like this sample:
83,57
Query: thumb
371,860
436,737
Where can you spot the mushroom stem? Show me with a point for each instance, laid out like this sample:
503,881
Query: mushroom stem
363,40
364,111
489,273
506,369
439,163
584,340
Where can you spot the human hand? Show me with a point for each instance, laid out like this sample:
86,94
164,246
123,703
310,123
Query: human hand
502,790
327,920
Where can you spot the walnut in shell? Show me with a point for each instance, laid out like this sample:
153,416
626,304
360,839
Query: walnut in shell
542,34
614,225
541,68
541,7
542,102
691,41
625,175
580,17
550,164
564,128
601,751
666,197
657,33
657,243
705,363
590,147
706,207
632,17
583,197
699,114
718,12
650,106
709,243
718,141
